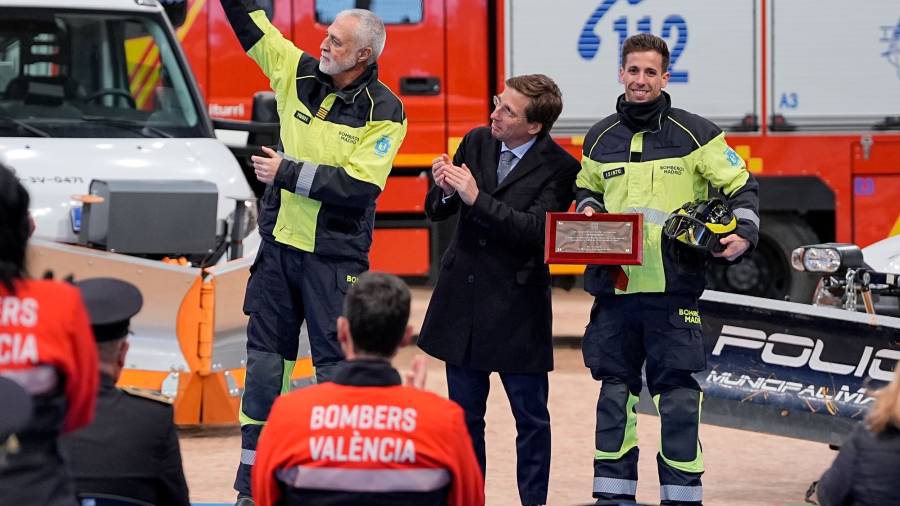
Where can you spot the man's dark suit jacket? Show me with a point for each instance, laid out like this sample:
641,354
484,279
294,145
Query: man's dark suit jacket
490,309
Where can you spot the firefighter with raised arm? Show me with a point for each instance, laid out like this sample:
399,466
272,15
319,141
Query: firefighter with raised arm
340,130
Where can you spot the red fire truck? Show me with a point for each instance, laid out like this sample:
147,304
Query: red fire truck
808,91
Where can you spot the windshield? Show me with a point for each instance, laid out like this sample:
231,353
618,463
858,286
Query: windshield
91,75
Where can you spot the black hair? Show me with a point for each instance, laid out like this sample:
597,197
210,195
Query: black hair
14,227
377,307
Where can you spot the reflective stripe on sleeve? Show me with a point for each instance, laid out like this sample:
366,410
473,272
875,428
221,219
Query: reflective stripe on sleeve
590,200
742,213
38,380
365,480
305,179
651,215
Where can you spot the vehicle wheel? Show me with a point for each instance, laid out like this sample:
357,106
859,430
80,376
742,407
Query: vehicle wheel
767,271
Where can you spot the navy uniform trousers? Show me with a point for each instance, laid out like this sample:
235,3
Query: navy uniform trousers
286,287
663,331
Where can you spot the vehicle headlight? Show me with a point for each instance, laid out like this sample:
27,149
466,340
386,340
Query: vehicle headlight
821,260
828,257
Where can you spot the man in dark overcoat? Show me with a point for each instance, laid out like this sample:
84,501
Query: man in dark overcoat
490,310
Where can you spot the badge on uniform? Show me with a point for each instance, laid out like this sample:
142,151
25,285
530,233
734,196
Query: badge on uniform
733,157
382,145
618,171
690,316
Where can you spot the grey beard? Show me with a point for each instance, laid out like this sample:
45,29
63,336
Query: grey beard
334,67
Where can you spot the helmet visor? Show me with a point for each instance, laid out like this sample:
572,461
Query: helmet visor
690,231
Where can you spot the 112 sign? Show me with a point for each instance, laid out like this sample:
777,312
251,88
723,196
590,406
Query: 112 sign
673,26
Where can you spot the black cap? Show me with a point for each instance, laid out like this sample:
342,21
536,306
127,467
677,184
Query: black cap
111,303
16,410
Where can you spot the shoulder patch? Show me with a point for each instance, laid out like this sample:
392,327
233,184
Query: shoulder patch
382,146
732,157
145,393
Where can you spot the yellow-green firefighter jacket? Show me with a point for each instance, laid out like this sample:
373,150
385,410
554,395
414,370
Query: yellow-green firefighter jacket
339,144
653,171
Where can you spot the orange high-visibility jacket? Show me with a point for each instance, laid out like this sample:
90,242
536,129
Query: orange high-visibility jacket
45,323
46,346
344,439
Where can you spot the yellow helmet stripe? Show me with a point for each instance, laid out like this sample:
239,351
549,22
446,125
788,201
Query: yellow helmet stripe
721,229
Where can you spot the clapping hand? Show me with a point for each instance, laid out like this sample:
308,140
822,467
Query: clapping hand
439,172
461,179
417,374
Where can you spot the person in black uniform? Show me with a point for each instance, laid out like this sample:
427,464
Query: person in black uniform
17,409
131,450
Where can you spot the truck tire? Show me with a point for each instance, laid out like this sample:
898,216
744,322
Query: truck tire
767,271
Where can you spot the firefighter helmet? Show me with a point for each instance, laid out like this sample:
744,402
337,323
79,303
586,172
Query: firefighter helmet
701,223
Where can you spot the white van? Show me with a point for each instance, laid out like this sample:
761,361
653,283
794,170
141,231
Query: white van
96,98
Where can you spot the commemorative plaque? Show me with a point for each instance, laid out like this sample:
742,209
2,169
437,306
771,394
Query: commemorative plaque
601,239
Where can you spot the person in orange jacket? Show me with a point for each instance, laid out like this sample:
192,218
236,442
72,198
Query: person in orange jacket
366,438
47,347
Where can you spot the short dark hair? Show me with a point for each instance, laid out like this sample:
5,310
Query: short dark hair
646,42
14,227
108,351
545,103
377,307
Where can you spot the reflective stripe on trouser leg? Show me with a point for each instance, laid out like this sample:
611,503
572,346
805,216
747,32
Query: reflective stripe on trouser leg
615,486
680,458
616,454
249,437
268,375
676,494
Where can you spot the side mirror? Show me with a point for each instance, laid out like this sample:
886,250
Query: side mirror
176,10
265,109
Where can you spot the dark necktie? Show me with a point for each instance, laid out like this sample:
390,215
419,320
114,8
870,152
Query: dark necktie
505,165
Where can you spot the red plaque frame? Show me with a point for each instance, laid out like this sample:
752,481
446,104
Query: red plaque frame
636,257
